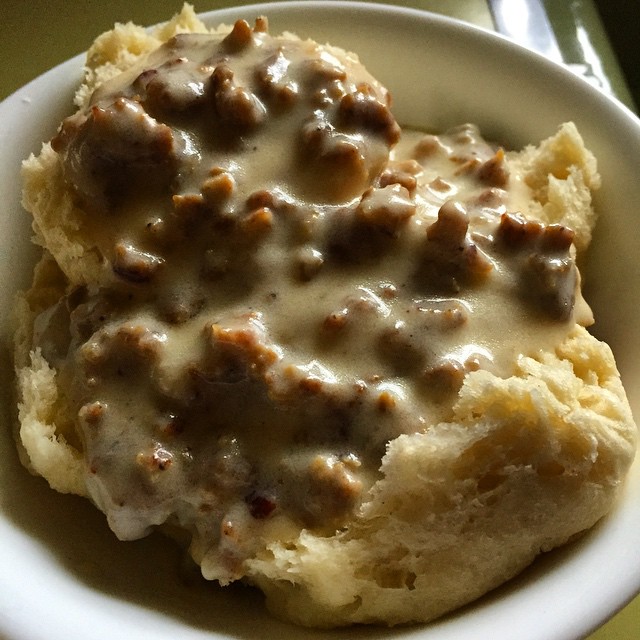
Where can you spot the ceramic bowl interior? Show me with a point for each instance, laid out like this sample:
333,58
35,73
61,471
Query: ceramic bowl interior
63,573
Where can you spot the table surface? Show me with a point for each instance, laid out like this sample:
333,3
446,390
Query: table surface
43,33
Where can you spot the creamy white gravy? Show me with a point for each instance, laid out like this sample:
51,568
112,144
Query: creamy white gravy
291,285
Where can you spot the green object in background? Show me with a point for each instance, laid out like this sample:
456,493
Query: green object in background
39,34
44,33
586,47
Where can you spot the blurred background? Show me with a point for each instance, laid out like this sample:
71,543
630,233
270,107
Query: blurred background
621,20
598,38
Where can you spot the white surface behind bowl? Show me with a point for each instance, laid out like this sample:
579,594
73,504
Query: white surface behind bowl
63,573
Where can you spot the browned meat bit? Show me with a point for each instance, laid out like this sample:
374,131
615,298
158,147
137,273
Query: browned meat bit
429,146
335,321
261,25
403,173
179,306
295,385
494,171
347,155
159,459
240,36
441,187
308,263
444,315
118,351
548,276
189,206
139,339
324,78
274,81
274,200
385,402
141,83
556,237
263,198
236,353
92,413
93,352
117,147
387,291
339,160
320,139
260,506
328,94
492,198
467,165
367,232
515,231
175,86
386,209
67,131
215,193
235,107
445,378
450,257
311,385
257,222
365,304
332,490
551,282
363,108
465,147
217,189
451,226
169,426
133,264
466,142
324,70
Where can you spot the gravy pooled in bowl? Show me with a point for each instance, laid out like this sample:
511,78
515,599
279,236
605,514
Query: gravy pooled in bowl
309,339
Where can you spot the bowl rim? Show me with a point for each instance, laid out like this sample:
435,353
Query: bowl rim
587,615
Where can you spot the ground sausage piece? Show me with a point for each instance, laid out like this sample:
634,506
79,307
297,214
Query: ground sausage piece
237,108
134,265
331,490
402,173
118,147
386,208
241,350
517,232
275,82
451,258
164,90
493,171
240,36
548,275
309,262
363,107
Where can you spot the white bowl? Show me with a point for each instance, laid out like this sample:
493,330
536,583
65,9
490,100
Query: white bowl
63,573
